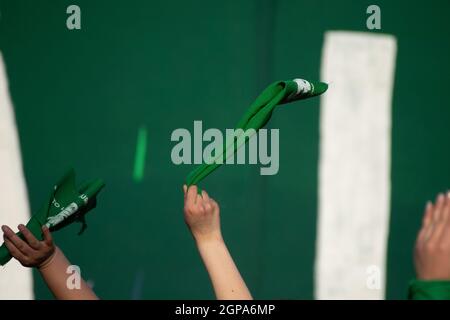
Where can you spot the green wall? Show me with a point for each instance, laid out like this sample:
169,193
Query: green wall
81,96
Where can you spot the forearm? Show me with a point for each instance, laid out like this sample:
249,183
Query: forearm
225,277
55,276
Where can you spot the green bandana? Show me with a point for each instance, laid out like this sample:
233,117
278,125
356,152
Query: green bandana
429,290
66,204
257,117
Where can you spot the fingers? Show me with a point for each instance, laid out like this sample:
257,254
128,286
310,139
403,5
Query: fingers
184,190
29,237
48,239
7,231
198,203
446,220
215,205
16,253
194,201
18,243
205,196
427,224
31,252
440,219
446,209
206,201
198,200
440,201
437,232
209,203
427,217
191,196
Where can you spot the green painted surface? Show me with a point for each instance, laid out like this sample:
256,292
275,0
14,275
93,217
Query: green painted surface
80,97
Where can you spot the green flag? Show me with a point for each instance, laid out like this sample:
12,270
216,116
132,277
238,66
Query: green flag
257,116
66,204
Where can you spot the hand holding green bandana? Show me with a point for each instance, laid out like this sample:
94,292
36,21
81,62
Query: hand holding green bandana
66,204
257,116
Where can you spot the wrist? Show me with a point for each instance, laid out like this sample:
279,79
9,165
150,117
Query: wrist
433,275
47,262
211,246
204,239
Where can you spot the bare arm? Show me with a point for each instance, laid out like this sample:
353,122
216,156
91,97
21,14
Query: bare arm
48,259
225,277
202,215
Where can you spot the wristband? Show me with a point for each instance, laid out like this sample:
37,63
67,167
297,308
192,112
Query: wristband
46,263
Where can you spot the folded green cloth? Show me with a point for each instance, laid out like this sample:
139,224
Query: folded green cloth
257,117
429,290
66,204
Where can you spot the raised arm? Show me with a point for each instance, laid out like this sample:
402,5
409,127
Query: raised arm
49,260
202,215
432,253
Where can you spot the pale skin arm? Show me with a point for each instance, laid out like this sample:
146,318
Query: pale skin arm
48,259
202,215
432,251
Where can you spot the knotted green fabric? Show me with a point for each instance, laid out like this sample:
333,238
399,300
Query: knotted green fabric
257,116
429,290
66,204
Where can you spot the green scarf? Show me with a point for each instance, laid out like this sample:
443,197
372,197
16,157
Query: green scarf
429,290
257,117
66,204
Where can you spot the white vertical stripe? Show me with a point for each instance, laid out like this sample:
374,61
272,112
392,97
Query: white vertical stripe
354,176
16,282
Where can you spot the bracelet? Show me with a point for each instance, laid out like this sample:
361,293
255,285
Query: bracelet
46,263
